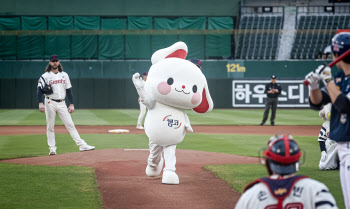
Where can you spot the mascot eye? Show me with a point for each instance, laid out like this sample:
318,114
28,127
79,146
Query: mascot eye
170,81
194,89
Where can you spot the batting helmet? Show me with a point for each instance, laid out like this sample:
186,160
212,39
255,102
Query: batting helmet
341,44
282,156
197,62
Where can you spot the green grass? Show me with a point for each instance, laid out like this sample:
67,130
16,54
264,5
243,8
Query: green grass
33,182
28,186
36,145
129,117
236,175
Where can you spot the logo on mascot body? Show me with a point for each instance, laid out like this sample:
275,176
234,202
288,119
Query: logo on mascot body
172,122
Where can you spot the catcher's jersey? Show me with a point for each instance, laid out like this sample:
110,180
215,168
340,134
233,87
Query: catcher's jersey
324,135
305,194
324,132
59,82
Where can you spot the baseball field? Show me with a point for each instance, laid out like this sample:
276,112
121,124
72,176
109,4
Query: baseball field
214,163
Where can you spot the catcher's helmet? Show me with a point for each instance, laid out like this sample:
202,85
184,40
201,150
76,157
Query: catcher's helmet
341,44
282,156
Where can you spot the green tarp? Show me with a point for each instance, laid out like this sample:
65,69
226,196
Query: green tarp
166,39
195,42
113,24
138,46
85,46
85,43
34,23
59,45
30,47
60,23
111,46
8,47
86,23
219,45
10,23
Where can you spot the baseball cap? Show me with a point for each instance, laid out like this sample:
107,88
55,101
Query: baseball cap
273,77
145,73
54,57
197,63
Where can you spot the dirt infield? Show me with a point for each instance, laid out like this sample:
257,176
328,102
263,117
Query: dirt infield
121,173
263,130
123,183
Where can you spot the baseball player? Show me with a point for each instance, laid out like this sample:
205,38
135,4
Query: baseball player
143,107
283,189
197,62
54,103
329,152
337,92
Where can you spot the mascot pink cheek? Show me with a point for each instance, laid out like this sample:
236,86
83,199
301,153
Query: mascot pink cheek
164,88
196,98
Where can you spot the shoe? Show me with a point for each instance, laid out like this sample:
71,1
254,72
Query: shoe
140,127
272,123
170,177
262,124
86,147
52,151
155,171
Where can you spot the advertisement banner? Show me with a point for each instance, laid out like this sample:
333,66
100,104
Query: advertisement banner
251,93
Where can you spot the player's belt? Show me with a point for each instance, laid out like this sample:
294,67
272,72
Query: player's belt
61,100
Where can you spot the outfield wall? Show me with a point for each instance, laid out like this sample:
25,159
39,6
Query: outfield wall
107,84
120,7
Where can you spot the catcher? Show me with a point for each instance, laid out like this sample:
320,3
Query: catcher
283,189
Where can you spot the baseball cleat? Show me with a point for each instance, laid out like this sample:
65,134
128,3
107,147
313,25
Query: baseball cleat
86,147
155,171
140,127
170,177
52,151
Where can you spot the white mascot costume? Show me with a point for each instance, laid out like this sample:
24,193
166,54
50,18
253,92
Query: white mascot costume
173,85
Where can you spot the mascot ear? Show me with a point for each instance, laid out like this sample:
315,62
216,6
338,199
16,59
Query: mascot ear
207,103
178,50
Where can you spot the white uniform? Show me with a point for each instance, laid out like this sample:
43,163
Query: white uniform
59,82
143,109
331,148
306,193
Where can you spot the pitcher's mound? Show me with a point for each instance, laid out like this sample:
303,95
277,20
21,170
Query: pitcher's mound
124,184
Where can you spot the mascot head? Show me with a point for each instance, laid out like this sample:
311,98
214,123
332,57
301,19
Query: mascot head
176,82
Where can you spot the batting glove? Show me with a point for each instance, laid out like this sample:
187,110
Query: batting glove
313,79
323,156
325,74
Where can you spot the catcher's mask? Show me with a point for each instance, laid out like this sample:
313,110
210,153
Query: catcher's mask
282,156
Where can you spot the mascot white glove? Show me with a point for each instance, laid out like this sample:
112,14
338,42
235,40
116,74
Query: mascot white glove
323,156
136,79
